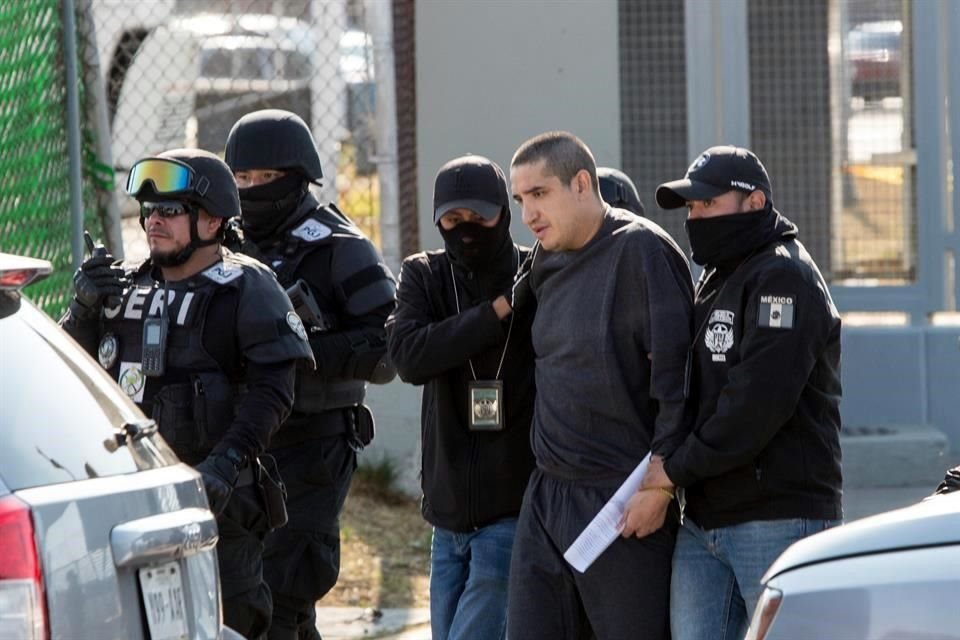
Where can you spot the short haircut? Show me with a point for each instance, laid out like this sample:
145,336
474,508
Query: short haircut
563,153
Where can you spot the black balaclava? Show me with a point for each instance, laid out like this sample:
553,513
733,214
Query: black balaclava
265,207
485,243
726,239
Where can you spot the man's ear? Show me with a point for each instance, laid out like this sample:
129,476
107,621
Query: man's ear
213,223
757,200
581,182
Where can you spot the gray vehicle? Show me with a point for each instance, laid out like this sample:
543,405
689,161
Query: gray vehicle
103,532
892,576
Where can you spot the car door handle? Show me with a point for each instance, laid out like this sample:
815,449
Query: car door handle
167,536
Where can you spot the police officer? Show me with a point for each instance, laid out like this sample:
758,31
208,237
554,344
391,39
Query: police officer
618,190
457,333
205,341
344,292
761,468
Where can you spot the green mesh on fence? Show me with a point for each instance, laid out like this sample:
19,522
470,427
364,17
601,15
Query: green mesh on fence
34,166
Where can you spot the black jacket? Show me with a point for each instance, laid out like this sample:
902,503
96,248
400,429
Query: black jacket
766,379
469,479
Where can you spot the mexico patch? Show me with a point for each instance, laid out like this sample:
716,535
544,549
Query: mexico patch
775,312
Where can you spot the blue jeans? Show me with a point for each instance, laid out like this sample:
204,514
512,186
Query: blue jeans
469,574
716,574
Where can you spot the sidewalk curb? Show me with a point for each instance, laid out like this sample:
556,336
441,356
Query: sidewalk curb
350,623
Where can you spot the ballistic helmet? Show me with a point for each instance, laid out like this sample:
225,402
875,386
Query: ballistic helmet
273,139
618,190
192,175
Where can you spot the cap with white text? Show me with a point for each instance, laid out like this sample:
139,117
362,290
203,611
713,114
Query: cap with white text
716,171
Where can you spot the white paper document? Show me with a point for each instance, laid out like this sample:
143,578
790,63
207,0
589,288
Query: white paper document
604,528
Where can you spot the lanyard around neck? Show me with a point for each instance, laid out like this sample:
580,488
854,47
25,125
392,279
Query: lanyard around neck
456,297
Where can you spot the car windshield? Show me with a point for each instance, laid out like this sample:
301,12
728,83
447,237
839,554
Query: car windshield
58,407
874,41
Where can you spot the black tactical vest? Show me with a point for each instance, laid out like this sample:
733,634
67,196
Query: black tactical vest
193,400
315,233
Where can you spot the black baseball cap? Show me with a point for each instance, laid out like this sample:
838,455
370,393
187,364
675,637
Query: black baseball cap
716,171
470,182
618,190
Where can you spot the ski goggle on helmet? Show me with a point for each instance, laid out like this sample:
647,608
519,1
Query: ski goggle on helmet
166,177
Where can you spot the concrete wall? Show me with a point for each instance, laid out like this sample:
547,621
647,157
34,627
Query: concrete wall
492,74
904,376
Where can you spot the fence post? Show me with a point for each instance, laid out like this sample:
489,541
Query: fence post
73,132
380,20
96,111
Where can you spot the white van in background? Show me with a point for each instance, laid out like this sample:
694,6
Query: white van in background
178,81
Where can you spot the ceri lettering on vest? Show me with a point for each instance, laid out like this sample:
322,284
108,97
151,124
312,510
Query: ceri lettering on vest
134,308
151,300
776,300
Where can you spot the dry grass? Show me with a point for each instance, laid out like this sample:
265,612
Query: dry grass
384,550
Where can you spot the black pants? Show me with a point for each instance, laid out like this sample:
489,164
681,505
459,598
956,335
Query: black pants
302,559
623,595
246,597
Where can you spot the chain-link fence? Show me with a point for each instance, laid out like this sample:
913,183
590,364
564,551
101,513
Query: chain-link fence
653,100
34,192
164,74
179,73
830,116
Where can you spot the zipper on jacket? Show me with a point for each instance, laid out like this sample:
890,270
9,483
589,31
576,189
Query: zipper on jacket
473,496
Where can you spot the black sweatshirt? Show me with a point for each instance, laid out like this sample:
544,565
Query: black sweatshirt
611,334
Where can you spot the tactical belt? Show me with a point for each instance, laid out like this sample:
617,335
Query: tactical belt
290,434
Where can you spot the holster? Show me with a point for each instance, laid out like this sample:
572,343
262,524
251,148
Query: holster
272,490
360,427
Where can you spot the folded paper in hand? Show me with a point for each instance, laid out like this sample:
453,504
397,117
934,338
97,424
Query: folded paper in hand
605,526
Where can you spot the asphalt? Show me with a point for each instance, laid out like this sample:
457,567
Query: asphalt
346,623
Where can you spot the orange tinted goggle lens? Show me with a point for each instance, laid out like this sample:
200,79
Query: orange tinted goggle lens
167,176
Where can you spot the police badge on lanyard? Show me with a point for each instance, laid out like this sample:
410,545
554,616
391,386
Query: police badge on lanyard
485,397
486,405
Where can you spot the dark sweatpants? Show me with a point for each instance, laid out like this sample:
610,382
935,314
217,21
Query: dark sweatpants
624,594
302,559
246,597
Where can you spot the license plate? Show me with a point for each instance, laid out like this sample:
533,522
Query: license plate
163,601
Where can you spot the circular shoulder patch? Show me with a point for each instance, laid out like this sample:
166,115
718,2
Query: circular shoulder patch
295,324
108,350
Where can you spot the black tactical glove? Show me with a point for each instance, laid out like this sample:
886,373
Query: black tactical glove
98,281
233,235
220,473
